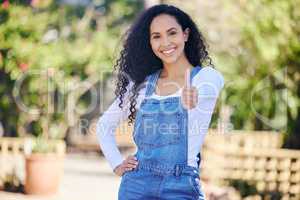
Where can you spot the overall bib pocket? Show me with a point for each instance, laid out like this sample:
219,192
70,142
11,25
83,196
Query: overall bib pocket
157,130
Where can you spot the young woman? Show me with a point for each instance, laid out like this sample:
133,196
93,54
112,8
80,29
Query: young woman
164,88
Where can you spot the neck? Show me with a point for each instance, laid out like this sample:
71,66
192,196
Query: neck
176,69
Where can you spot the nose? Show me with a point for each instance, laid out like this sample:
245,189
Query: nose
165,41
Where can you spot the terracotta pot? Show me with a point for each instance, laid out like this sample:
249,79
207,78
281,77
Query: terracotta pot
43,173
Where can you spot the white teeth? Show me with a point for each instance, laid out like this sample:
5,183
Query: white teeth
168,51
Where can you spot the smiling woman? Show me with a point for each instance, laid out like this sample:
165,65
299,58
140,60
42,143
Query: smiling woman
167,38
161,75
138,60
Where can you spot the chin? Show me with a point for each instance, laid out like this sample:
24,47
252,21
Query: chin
169,60
172,59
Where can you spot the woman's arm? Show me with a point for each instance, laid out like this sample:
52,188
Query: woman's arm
106,129
208,82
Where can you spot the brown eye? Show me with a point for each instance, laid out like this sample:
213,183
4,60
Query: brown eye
173,33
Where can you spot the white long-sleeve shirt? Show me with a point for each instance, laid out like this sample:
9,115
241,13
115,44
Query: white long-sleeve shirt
208,82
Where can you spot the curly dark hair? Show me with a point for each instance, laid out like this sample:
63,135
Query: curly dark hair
137,60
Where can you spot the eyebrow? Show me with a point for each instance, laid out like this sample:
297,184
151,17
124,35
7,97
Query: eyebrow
170,29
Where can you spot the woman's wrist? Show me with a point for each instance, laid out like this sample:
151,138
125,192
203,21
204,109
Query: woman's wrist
116,168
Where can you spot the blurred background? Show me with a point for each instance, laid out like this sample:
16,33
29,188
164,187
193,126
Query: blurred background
56,79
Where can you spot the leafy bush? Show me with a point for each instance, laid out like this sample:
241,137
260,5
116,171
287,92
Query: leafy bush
51,55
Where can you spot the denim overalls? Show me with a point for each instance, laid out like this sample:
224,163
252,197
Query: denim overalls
161,135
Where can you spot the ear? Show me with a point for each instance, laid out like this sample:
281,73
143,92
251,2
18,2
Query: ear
186,33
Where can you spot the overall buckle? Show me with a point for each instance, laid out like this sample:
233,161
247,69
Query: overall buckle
177,170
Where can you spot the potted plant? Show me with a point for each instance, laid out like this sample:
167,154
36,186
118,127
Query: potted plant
44,166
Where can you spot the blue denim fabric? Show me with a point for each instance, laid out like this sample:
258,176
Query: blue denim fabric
161,136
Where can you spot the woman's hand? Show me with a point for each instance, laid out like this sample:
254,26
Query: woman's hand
127,165
189,97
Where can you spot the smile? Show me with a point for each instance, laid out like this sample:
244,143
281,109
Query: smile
168,52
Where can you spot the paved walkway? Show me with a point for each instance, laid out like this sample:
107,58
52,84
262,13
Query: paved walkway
86,176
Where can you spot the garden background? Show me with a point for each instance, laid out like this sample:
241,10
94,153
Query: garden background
56,78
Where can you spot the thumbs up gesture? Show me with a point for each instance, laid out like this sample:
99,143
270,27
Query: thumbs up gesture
189,97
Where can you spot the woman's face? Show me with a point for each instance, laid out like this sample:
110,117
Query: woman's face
167,38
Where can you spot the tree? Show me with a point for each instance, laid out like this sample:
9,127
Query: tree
57,54
267,68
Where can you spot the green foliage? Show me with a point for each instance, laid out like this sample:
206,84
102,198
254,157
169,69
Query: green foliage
245,188
12,182
42,40
266,69
42,145
51,51
120,13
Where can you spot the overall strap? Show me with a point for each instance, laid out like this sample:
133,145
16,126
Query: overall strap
152,82
194,71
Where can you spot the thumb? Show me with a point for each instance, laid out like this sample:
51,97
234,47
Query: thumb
188,78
